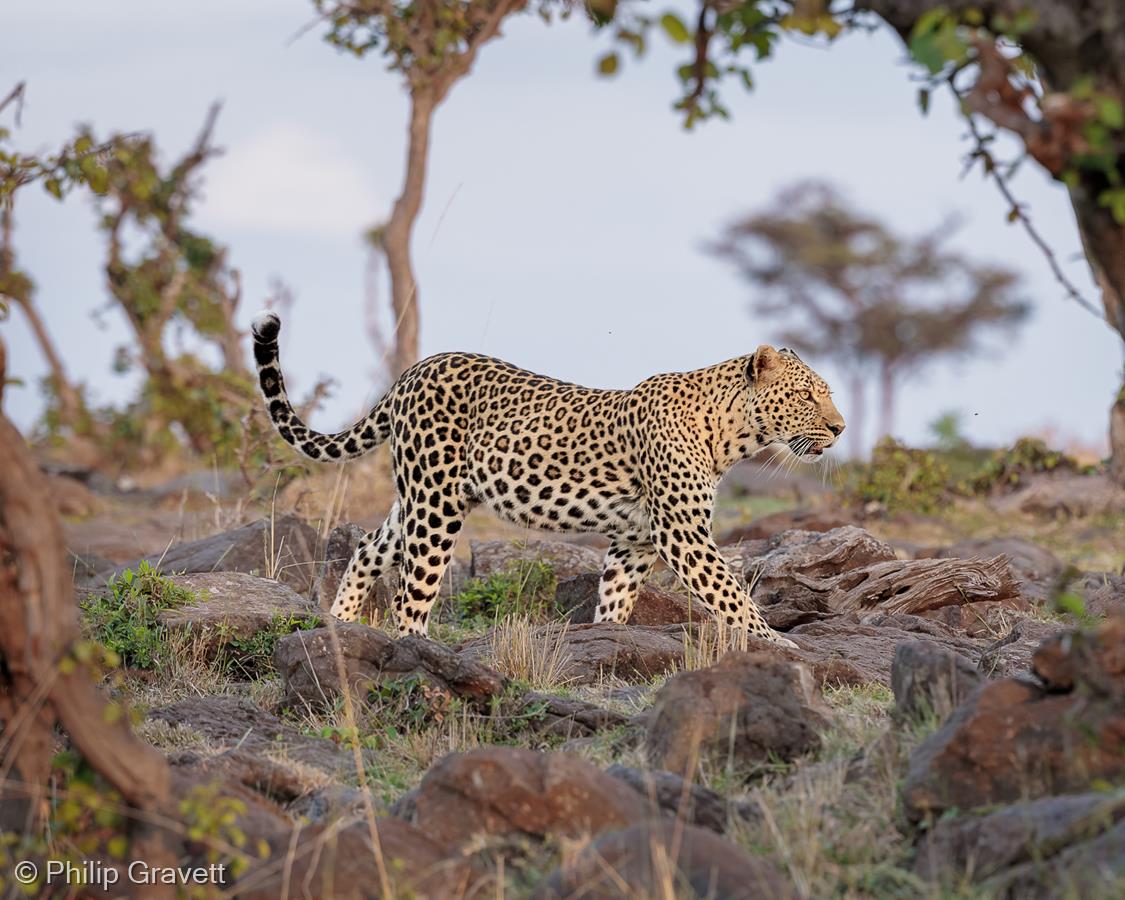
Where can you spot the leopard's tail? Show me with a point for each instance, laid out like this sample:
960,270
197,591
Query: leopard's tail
363,437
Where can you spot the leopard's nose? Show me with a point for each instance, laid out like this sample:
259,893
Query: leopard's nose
836,428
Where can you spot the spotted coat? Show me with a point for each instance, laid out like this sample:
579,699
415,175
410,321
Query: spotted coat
639,466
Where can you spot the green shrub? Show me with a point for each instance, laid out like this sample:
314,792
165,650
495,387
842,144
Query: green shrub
900,478
525,588
1008,468
250,656
124,618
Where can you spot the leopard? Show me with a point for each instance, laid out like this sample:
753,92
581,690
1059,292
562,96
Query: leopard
640,466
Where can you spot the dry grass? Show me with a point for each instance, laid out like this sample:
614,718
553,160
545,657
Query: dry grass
533,654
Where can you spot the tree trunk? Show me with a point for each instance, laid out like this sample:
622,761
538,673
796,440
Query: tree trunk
399,230
886,400
1070,42
38,632
71,407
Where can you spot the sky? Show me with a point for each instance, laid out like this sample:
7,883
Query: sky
565,213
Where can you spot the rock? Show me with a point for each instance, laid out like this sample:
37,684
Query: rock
868,648
1091,868
565,716
342,541
566,559
504,791
983,619
1093,659
929,680
1013,740
1033,566
308,666
89,570
970,849
346,864
301,790
72,498
287,547
1103,593
663,859
1064,496
746,707
630,652
577,599
788,520
232,722
232,606
691,803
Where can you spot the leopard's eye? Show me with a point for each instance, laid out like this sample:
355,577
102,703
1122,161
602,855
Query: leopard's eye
807,395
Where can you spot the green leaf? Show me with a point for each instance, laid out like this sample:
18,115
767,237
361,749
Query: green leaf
1109,111
924,100
926,51
53,187
609,64
675,28
929,21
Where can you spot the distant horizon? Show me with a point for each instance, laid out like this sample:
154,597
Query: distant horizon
564,213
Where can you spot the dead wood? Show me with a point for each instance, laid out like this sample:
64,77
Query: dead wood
914,586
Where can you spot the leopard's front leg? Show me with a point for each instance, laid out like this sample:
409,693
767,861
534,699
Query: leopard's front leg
681,501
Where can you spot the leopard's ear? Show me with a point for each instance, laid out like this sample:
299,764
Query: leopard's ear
765,365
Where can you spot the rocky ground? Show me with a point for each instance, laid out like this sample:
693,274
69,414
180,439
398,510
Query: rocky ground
952,723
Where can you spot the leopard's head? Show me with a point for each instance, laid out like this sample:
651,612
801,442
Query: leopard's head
790,404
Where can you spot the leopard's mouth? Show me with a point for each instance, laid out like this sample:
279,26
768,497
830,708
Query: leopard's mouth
806,449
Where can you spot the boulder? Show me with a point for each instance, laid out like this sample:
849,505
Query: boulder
629,652
348,864
285,546
867,643
1104,593
1092,659
1014,740
505,791
787,520
233,722
565,559
577,600
232,606
694,804
1089,868
664,859
746,708
1064,496
566,717
929,680
302,791
979,848
310,674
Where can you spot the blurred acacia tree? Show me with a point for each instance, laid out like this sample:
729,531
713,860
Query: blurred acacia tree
433,45
849,289
1051,73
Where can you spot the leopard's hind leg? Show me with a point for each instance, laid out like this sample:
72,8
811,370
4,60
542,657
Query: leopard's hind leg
378,552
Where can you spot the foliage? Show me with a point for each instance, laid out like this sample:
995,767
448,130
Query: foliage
212,821
900,478
249,656
723,37
1007,469
125,618
526,588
